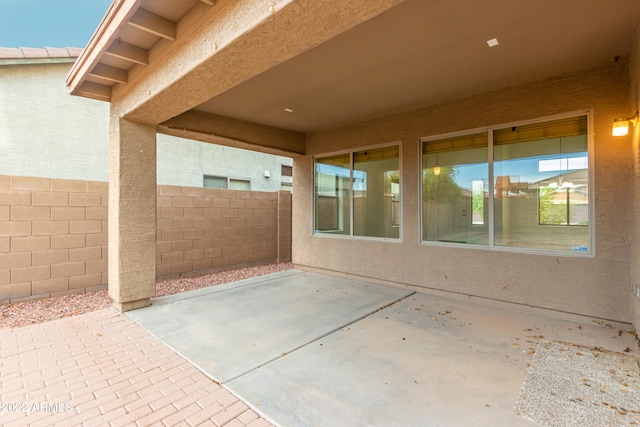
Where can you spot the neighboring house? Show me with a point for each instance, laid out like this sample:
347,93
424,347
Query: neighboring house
426,104
54,172
44,132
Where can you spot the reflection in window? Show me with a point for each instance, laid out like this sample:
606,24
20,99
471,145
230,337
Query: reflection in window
537,197
376,183
332,204
478,194
364,192
541,184
455,180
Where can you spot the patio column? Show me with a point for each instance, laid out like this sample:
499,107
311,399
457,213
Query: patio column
132,213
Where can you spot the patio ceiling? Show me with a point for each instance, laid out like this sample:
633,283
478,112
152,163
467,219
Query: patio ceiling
416,54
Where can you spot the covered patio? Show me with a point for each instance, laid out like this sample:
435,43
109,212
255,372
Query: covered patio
405,80
409,122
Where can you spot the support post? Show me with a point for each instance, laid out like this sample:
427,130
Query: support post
132,213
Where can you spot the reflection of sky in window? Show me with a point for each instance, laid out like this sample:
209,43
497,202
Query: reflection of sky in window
359,177
332,169
359,180
532,169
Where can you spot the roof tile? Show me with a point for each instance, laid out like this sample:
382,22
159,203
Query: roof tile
47,52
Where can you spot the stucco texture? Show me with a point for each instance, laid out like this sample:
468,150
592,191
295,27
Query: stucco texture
595,286
45,132
634,218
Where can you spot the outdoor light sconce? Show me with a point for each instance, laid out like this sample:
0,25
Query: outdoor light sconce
621,125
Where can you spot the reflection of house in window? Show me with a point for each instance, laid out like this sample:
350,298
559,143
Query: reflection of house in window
540,178
332,195
361,189
510,186
564,199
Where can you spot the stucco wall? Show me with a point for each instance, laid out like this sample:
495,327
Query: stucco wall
634,300
184,162
595,286
45,132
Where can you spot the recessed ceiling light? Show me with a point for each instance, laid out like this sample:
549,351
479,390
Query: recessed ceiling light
493,42
288,110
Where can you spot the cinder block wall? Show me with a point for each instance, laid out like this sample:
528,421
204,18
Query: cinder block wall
53,234
206,229
53,237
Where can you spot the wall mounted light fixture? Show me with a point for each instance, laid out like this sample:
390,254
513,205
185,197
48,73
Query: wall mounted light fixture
621,125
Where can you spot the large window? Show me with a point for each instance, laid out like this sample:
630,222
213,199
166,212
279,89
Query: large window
532,193
358,193
455,186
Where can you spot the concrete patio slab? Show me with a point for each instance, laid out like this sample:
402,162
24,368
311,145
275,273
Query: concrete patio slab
301,349
426,361
228,331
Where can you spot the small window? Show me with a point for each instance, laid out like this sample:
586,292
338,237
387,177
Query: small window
226,183
215,182
287,170
239,184
286,187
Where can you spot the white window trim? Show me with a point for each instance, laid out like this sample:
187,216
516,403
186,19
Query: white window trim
351,236
491,246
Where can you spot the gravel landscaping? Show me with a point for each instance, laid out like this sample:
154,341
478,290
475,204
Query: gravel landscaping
38,311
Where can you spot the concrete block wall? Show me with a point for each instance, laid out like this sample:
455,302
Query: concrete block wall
53,237
284,226
53,234
201,230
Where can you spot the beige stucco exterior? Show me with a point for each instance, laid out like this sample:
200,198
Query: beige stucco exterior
634,209
595,286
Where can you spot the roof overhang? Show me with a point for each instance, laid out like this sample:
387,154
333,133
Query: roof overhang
335,63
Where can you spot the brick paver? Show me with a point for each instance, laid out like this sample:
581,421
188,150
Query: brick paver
101,368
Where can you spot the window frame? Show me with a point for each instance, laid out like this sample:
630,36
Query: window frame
491,246
351,153
286,170
228,179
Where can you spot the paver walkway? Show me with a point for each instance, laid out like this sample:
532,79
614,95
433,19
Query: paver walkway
101,368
